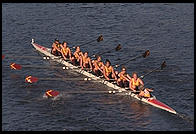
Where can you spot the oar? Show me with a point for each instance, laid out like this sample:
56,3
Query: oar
32,79
144,55
99,39
15,66
55,93
117,48
163,65
92,92
33,57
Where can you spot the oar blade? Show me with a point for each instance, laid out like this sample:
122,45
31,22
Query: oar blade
15,66
163,65
118,47
146,53
52,93
31,79
100,38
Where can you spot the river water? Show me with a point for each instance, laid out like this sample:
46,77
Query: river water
167,30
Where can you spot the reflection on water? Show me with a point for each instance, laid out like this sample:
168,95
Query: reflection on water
143,113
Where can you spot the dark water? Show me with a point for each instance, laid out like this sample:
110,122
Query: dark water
165,29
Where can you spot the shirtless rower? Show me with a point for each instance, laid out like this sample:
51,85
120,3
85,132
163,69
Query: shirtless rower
108,71
123,80
98,66
135,83
85,61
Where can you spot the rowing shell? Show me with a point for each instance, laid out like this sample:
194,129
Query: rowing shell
152,101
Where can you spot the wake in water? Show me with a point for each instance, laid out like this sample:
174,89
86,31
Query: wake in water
186,118
62,95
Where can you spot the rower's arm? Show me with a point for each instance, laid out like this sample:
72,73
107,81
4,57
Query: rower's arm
63,54
81,62
130,84
57,48
95,64
69,53
100,68
128,76
104,73
125,77
141,82
54,45
89,61
114,73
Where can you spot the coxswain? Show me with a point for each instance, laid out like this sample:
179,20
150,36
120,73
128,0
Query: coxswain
56,48
123,80
85,61
65,51
145,92
135,83
98,66
108,71
77,56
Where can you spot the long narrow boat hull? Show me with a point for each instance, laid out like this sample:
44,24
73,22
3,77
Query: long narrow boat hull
152,101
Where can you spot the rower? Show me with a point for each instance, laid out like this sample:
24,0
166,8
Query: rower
77,56
85,61
123,80
145,92
56,48
98,66
108,71
65,51
135,83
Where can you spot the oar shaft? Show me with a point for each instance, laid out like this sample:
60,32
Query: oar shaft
149,72
100,38
128,61
162,66
145,54
73,79
87,43
41,66
105,52
13,56
86,92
